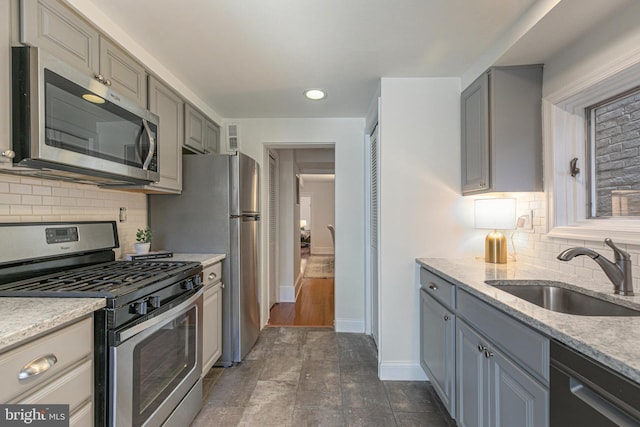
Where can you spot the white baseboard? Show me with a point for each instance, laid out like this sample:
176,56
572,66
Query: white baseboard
401,371
349,325
287,294
298,286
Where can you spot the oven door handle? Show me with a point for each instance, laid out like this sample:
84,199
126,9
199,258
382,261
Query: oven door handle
163,317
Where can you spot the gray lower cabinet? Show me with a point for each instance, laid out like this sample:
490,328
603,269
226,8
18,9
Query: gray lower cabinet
491,389
212,317
437,348
56,368
487,367
501,131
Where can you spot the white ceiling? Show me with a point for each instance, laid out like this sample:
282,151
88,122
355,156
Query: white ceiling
254,58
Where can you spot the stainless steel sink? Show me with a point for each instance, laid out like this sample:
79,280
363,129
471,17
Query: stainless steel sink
552,296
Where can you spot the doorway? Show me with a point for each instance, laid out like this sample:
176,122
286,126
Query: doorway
305,209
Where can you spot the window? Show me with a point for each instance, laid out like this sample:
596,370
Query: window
570,116
613,141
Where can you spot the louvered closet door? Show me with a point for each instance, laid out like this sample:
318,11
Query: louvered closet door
273,229
373,167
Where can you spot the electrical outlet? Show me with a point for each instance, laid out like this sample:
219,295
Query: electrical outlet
123,214
525,220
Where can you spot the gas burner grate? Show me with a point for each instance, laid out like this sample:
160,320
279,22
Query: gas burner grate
107,280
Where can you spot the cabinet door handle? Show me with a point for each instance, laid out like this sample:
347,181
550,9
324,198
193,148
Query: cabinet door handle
107,82
482,347
488,353
37,366
212,276
99,77
433,287
446,317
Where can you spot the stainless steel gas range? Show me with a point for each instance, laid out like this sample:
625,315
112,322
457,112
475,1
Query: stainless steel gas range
148,339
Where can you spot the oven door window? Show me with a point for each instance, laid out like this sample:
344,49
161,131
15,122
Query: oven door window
80,121
161,362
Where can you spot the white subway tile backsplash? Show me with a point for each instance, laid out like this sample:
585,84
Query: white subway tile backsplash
41,190
19,188
9,199
21,210
28,200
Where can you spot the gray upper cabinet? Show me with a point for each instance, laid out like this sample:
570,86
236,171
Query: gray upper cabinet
170,108
50,25
212,138
127,77
501,131
195,129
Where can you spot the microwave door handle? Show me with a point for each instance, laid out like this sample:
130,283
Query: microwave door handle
152,146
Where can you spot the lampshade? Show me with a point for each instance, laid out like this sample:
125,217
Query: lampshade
496,214
303,223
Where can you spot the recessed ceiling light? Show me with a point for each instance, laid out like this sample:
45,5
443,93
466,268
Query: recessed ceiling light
93,98
315,94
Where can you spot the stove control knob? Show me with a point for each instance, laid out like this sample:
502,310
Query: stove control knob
188,285
154,301
138,308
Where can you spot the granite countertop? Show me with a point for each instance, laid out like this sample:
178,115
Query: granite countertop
205,259
613,341
25,318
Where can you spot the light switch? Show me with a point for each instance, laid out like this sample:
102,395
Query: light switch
123,214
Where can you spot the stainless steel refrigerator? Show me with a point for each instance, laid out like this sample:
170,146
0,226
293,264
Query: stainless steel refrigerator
218,212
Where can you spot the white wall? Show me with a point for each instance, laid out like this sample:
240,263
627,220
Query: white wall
421,208
347,135
322,214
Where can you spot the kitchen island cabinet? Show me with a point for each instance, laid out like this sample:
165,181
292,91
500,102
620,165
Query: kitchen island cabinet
501,131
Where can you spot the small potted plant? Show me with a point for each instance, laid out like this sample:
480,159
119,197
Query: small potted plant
143,240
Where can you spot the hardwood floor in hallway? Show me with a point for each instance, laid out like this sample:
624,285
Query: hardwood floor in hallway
313,307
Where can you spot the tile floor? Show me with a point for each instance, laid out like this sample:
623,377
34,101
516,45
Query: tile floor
314,377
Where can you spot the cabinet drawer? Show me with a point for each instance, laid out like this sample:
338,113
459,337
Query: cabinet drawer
82,418
524,345
73,388
439,288
68,345
212,274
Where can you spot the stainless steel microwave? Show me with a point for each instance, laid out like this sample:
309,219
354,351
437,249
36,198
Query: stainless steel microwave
67,125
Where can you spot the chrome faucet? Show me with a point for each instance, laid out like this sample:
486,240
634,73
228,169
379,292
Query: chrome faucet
619,272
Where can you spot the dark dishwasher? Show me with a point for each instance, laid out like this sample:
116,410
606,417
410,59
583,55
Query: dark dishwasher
586,393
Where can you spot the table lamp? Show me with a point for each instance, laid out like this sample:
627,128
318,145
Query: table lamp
495,214
303,224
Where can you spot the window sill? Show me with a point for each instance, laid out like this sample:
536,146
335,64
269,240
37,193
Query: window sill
623,232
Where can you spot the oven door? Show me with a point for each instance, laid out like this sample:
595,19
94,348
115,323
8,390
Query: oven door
155,364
